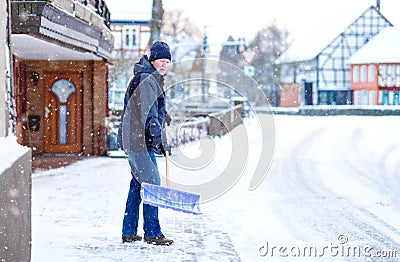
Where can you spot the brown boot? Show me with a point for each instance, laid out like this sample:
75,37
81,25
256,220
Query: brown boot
129,239
161,240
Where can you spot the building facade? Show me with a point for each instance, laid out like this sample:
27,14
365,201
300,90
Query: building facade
131,39
60,53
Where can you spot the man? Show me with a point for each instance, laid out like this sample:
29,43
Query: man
139,135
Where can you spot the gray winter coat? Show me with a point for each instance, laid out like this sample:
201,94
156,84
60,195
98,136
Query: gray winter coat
144,109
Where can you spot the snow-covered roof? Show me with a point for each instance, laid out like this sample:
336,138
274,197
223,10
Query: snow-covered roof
319,35
383,48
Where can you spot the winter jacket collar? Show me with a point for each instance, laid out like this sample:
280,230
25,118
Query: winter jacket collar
144,66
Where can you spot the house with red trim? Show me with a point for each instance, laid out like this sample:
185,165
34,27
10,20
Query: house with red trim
375,70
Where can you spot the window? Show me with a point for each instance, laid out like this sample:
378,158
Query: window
391,75
382,75
371,73
63,89
127,38
364,97
396,98
393,71
384,97
356,99
372,97
356,74
323,98
397,76
363,76
133,37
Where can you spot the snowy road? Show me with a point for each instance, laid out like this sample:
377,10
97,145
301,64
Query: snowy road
338,186
331,194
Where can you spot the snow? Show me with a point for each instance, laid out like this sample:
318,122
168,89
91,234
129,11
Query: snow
381,49
333,182
10,152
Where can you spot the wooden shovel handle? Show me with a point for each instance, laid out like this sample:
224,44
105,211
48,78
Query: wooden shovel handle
166,160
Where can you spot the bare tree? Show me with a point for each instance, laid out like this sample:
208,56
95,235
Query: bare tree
184,38
181,33
121,70
157,14
270,42
178,26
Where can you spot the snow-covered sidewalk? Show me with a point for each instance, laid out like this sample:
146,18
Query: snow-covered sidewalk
78,211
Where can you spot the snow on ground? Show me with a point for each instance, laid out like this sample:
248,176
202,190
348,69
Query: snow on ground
331,194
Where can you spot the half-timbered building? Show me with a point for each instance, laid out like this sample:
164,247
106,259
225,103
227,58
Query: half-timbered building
321,76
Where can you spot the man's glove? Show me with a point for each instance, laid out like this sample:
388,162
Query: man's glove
166,148
157,140
158,149
167,119
162,149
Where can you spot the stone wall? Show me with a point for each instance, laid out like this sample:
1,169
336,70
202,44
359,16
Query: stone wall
15,201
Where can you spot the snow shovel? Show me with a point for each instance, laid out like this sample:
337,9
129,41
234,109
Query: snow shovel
166,197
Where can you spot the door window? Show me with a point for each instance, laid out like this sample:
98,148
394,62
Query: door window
63,89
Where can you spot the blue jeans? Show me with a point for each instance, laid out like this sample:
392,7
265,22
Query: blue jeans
143,169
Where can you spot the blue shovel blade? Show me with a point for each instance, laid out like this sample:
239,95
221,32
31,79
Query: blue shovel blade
165,197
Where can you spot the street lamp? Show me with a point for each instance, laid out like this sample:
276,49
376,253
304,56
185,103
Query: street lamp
203,65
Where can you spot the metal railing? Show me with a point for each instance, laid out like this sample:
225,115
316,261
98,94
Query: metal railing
84,10
215,124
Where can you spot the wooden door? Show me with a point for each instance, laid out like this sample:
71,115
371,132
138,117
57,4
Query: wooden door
308,93
63,113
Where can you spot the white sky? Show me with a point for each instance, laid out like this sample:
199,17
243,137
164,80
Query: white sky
244,19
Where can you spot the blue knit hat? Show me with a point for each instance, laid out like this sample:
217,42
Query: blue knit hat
159,50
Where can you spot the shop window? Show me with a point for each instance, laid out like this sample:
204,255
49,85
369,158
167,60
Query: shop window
323,98
364,97
331,97
344,97
396,98
384,97
372,95
391,97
